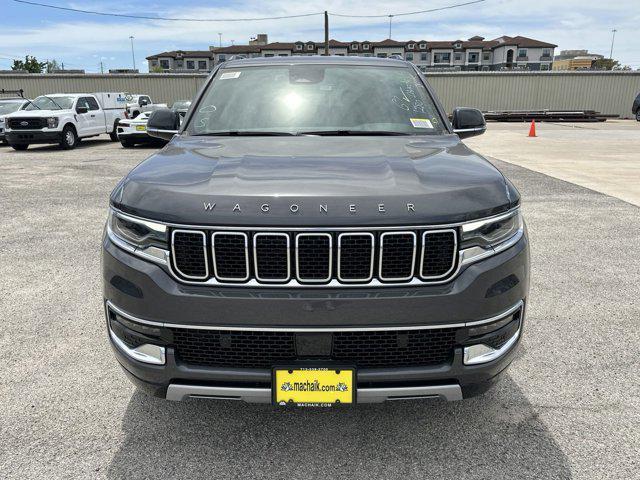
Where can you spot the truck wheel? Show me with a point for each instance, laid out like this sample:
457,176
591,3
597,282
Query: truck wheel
114,134
20,146
127,143
69,138
638,115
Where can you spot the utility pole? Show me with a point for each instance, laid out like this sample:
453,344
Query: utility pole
133,55
390,19
101,67
612,40
220,39
326,33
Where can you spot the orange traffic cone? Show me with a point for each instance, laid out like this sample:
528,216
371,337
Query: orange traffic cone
532,129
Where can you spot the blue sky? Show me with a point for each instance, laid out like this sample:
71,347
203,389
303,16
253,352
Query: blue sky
82,41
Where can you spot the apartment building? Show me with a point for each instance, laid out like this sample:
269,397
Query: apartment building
476,53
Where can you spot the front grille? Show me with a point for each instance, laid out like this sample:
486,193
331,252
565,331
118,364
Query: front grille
363,349
190,254
289,257
26,123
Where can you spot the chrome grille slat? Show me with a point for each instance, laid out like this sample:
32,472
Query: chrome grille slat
413,256
398,257
314,257
230,255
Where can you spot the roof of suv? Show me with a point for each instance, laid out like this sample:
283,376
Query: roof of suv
315,59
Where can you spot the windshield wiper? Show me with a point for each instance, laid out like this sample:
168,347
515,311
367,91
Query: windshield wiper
33,104
354,132
53,101
245,133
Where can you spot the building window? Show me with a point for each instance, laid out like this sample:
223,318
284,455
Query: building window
202,65
423,57
409,57
164,64
423,45
381,55
365,46
354,46
298,47
544,66
154,63
411,46
310,46
458,57
486,56
441,57
222,58
522,52
191,65
546,52
457,45
473,57
367,54
283,54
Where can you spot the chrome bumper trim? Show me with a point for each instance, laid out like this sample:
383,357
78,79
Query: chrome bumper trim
490,354
178,392
509,311
147,353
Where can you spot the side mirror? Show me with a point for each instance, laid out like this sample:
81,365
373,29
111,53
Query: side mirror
468,122
163,123
81,109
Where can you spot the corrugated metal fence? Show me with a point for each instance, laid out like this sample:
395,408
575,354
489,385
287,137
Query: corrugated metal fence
606,92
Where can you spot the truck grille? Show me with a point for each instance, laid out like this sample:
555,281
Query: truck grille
26,123
310,257
364,349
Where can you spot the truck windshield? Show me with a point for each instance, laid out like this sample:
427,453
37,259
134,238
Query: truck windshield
51,103
9,107
316,99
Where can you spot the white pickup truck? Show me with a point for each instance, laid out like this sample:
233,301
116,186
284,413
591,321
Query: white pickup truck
137,104
65,119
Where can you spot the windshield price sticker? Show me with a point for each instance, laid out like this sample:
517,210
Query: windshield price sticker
228,75
421,123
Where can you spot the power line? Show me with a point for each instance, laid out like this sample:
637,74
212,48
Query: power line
281,17
171,19
448,7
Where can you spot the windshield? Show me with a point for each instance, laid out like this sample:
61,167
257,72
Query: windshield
299,99
51,103
9,107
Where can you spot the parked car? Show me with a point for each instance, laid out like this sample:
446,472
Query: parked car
636,107
65,118
7,106
133,131
140,103
315,233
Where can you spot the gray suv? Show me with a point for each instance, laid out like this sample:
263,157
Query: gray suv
315,233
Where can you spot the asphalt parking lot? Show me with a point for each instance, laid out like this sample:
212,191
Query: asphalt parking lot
569,407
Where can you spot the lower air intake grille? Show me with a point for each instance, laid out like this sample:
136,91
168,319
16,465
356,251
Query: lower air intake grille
255,349
439,253
190,254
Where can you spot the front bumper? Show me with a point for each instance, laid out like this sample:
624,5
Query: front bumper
28,137
144,292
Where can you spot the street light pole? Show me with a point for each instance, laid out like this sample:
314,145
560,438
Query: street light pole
133,55
390,19
612,40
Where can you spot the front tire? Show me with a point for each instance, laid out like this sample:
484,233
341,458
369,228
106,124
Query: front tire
20,146
638,115
114,134
69,138
127,143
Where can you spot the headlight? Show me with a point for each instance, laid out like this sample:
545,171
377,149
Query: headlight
142,237
52,122
489,236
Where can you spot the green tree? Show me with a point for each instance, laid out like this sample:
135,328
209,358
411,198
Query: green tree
52,65
156,69
605,64
30,64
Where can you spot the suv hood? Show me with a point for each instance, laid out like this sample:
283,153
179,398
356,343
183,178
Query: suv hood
313,181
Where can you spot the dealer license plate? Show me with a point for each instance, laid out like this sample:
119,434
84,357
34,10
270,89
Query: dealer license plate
141,128
313,387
